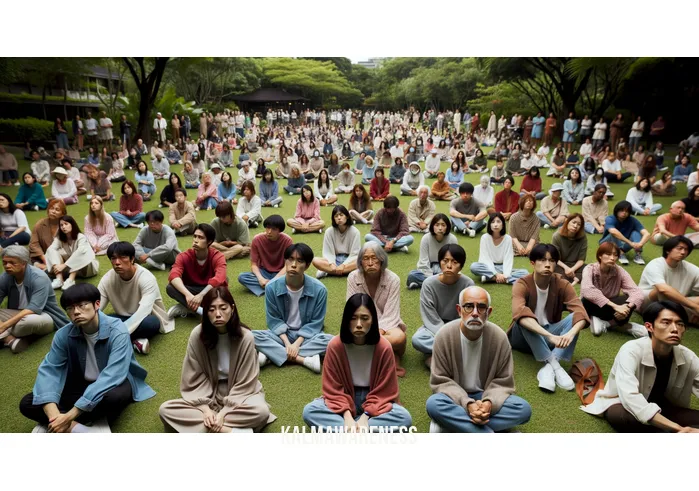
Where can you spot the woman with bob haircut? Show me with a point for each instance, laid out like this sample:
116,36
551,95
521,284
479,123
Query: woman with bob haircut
220,389
341,246
571,242
70,255
525,226
360,386
496,255
428,263
307,216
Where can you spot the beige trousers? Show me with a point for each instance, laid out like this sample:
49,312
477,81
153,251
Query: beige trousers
30,325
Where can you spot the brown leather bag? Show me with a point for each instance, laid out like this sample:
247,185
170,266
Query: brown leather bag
588,378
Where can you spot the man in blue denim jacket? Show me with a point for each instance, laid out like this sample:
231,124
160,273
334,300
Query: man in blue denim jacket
295,305
90,372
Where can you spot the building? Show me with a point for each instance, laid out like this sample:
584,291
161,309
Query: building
372,63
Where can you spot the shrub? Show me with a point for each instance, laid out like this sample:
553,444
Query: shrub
27,129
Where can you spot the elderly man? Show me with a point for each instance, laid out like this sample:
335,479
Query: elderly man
674,223
467,214
595,210
472,373
420,211
653,378
554,210
31,302
159,126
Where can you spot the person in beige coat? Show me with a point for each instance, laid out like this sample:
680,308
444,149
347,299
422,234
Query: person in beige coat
421,211
183,220
70,255
220,389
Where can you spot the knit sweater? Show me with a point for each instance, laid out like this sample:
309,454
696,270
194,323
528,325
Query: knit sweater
394,226
335,243
438,301
160,242
236,231
524,229
429,251
33,195
598,289
213,272
130,205
386,299
379,190
507,202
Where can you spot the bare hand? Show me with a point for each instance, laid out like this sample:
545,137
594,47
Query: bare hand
688,429
559,341
142,258
263,282
350,423
363,422
389,246
60,423
193,302
292,351
500,279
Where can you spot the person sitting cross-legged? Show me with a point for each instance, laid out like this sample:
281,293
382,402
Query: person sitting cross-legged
652,380
538,300
135,297
675,223
183,219
390,228
473,373
626,232
496,255
420,211
428,263
295,306
90,372
467,213
156,244
341,245
232,233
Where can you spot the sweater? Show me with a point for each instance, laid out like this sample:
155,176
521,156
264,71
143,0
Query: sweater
599,290
236,231
268,254
32,195
379,191
40,296
496,370
386,299
571,250
335,243
438,301
213,272
130,205
184,215
161,242
65,190
269,191
420,212
524,229
387,227
506,202
252,208
429,251
338,389
307,212
595,213
490,254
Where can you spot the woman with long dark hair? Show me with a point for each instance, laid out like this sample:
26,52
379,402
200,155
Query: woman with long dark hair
70,255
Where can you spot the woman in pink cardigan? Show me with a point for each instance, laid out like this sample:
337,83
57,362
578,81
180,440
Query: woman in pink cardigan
307,216
99,227
207,194
373,277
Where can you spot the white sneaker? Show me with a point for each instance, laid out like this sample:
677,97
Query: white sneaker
155,264
465,231
40,429
241,430
435,428
142,346
483,279
276,206
67,284
623,259
562,378
638,259
89,197
141,225
312,363
160,205
99,426
546,378
404,249
177,310
262,359
293,231
321,274
598,326
471,232
17,183
57,283
320,231
638,330
413,286
547,226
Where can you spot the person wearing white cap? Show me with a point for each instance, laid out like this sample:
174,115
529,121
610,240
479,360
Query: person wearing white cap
432,164
64,188
215,171
554,210
159,126
246,173
161,166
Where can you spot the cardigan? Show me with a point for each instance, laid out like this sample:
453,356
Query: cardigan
42,238
385,227
507,202
386,299
338,389
79,255
496,370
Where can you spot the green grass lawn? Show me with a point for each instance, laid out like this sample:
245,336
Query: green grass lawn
288,389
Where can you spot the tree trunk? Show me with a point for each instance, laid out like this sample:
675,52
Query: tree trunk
43,100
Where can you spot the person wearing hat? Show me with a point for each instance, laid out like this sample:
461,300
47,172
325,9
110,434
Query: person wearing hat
63,188
32,309
159,126
432,164
215,171
246,173
412,180
554,209
161,166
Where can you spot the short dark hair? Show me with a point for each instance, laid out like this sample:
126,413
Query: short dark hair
511,179
224,208
340,209
78,293
620,206
653,311
438,217
302,250
73,232
539,252
122,249
495,215
456,251
600,186
208,232
391,202
353,303
155,215
274,221
209,334
465,187
181,190
672,242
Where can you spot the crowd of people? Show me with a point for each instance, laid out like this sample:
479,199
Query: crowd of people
91,374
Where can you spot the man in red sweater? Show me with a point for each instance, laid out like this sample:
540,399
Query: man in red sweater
195,272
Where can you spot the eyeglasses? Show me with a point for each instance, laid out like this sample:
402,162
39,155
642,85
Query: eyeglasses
469,307
82,306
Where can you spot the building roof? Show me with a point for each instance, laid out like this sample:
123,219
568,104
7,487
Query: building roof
268,95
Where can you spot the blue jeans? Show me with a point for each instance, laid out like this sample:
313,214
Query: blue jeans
316,414
406,240
417,276
524,340
459,224
481,269
590,229
544,221
125,221
340,258
454,418
62,141
423,340
638,209
273,347
634,237
21,238
148,328
208,203
249,281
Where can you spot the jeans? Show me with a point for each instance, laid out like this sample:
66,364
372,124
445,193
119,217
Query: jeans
275,201
417,276
207,203
249,281
125,221
273,347
423,340
539,196
148,328
459,224
634,237
590,229
62,141
524,340
21,238
9,175
454,418
406,240
316,414
545,221
482,269
164,257
639,209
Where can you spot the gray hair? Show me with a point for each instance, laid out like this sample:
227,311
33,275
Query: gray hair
463,292
17,251
423,187
485,178
380,255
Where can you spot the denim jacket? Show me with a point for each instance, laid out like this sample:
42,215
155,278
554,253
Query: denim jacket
312,306
115,360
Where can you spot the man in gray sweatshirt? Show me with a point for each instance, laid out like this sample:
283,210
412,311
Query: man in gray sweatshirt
156,244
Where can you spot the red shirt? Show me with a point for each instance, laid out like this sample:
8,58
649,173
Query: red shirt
377,191
269,254
501,202
213,272
529,184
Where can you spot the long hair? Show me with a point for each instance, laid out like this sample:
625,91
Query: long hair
365,197
99,217
10,204
209,334
74,231
353,303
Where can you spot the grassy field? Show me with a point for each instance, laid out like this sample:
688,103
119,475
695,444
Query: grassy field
288,389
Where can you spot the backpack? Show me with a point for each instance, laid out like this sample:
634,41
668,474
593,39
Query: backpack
588,378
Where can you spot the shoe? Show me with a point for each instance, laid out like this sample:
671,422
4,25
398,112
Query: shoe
547,226
19,345
638,330
471,233
160,205
623,259
598,326
484,171
321,274
638,259
99,426
320,231
435,428
546,378
293,231
89,197
142,346
242,430
404,249
177,310
562,378
484,279
155,264
196,208
67,284
663,168
312,363
57,283
465,231
141,225
262,359
275,206
40,429
413,286
5,333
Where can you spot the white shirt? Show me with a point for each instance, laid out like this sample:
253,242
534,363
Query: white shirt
223,348
611,166
91,124
541,297
485,196
360,358
684,277
432,163
92,371
471,356
294,318
637,129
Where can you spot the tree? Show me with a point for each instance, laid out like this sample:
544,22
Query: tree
109,95
148,85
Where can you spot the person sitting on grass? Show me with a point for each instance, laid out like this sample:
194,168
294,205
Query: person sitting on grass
440,189
40,168
507,200
220,389
130,212
397,172
420,211
360,387
90,372
161,167
496,255
98,184
571,242
412,180
135,297
323,189
652,380
295,306
368,171
626,232
226,189
232,234
675,223
345,180
31,310
63,188
307,216
30,195
641,198
167,195
390,228
266,256
296,181
472,377
432,163
595,209
14,228
360,205
249,205
373,278
191,176
269,190
99,227
341,246
467,214
439,234
183,219
610,295
156,244
531,184
537,327
70,255
207,194
554,209
195,272
380,187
